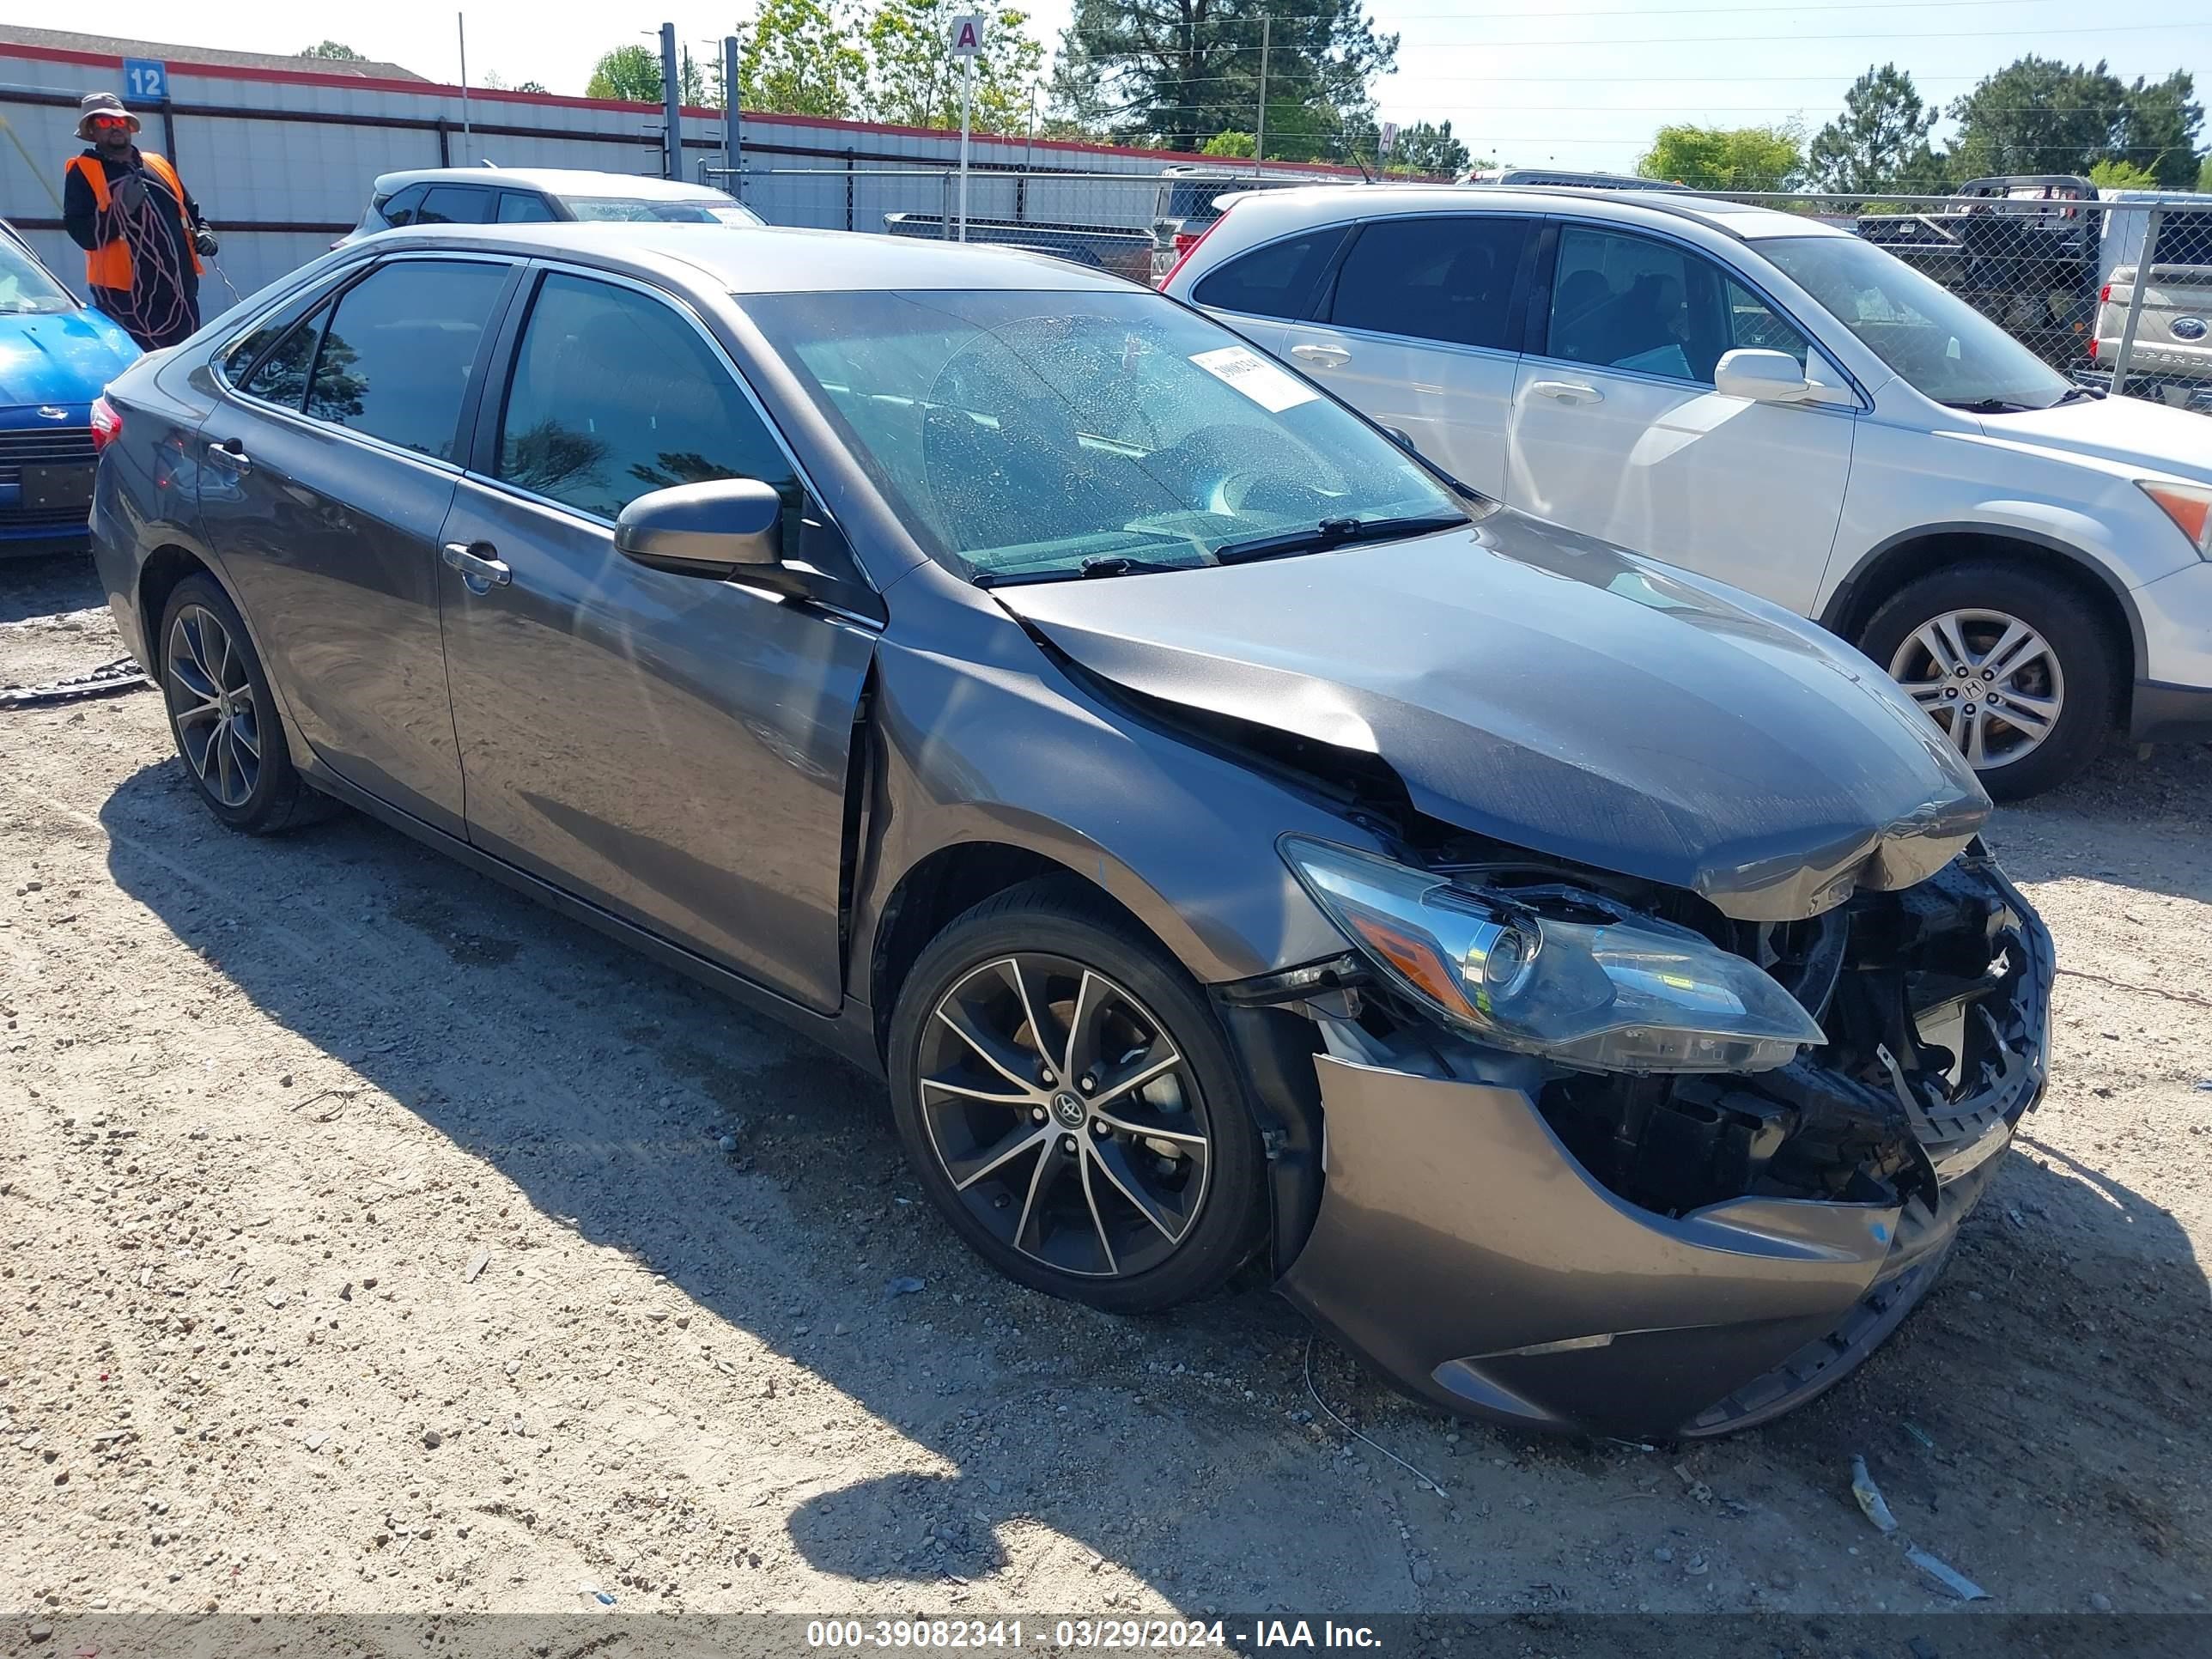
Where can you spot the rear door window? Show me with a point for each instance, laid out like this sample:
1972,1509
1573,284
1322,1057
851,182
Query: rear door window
455,204
1439,276
281,376
1277,280
397,357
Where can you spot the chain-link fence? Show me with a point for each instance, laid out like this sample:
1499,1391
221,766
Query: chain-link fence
2052,263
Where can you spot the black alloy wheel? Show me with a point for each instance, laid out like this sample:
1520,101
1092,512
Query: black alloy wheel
1072,1106
223,716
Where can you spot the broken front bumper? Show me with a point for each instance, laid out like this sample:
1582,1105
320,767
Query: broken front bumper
1463,1251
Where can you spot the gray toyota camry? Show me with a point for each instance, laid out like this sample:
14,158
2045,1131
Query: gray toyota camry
1581,984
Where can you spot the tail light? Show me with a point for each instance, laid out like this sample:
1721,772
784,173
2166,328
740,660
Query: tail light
1185,245
2092,351
2104,295
106,424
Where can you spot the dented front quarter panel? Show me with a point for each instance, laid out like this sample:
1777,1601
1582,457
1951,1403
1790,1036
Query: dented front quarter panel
1557,694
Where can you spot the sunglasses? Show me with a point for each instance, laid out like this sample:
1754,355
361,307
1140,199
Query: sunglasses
109,122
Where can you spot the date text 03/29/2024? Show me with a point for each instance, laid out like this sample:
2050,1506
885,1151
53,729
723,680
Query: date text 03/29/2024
1150,1635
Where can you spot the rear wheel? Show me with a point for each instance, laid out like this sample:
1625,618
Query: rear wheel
1072,1106
223,717
2015,669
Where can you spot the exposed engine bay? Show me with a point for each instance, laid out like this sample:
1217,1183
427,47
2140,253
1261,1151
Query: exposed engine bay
1930,998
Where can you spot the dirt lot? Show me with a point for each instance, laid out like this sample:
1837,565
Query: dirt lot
373,1240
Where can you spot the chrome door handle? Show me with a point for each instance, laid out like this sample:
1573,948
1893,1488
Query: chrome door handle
1322,357
476,569
232,455
1567,391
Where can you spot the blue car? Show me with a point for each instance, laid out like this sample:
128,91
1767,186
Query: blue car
56,354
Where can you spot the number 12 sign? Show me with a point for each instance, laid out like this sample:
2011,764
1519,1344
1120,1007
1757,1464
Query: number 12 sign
145,79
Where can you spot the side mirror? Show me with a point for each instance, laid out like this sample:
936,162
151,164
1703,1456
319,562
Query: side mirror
1763,377
723,528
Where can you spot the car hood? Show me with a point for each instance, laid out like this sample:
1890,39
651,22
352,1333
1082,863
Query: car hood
62,359
2134,431
1553,692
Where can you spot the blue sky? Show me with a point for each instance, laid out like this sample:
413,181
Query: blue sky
1578,83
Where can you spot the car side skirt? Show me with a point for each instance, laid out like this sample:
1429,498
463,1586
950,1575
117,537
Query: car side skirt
850,1032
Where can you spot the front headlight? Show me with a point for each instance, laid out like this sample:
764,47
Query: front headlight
1596,989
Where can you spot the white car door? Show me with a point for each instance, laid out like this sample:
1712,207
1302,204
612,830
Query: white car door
1420,331
1616,429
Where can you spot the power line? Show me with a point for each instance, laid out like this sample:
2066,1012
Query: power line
1219,47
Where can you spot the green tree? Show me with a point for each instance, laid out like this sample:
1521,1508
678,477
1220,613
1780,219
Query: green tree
1725,158
798,58
1175,72
1427,149
2038,115
913,79
2122,176
336,49
1880,142
629,73
531,86
2204,175
1234,145
2159,125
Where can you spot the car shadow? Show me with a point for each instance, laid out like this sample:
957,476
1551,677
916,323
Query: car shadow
604,1099
41,585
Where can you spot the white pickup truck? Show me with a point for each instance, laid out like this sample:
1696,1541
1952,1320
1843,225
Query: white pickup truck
2172,354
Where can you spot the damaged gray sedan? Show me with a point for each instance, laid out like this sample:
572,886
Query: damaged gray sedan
1580,983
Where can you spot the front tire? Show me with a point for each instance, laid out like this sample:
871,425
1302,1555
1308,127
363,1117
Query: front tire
1072,1105
223,717
2016,668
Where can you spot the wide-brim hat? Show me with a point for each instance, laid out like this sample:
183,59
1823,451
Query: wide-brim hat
100,103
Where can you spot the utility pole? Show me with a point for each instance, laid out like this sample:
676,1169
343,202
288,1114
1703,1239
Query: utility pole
468,142
733,137
1260,137
672,96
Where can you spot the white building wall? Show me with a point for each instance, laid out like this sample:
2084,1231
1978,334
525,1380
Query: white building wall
278,191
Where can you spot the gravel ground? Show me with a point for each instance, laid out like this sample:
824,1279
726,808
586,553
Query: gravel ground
371,1240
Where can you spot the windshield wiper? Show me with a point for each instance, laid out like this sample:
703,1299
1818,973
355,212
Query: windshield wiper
1989,406
2074,394
1099,564
1333,532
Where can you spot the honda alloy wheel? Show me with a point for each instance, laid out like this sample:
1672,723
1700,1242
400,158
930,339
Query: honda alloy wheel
2014,666
1072,1106
1991,682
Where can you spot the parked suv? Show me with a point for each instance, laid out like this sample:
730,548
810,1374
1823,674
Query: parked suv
1772,401
527,196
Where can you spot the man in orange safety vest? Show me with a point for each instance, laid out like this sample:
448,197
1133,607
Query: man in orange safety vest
142,233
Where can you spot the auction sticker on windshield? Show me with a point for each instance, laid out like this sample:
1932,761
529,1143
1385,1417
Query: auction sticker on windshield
1257,378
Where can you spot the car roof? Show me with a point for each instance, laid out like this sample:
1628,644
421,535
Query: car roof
555,181
768,259
1747,221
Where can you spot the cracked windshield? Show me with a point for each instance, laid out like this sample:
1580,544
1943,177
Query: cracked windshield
1033,436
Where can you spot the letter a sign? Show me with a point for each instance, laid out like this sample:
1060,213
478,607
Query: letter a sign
966,35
